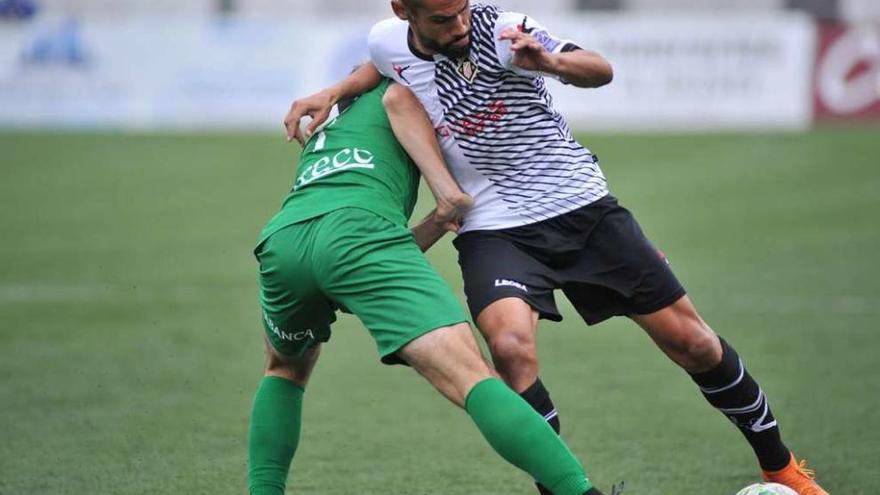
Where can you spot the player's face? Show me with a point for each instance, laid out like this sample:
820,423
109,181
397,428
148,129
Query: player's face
443,26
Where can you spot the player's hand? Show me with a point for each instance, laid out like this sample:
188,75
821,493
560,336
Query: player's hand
528,53
452,226
446,223
451,209
316,106
432,228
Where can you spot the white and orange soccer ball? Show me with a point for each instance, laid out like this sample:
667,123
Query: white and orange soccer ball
766,489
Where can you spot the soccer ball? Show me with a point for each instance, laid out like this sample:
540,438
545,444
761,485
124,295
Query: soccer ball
766,489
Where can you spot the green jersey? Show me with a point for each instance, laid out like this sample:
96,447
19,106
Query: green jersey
354,161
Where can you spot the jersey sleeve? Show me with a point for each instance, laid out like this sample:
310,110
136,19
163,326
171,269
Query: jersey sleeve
526,24
381,44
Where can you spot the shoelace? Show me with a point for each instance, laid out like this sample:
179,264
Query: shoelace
804,470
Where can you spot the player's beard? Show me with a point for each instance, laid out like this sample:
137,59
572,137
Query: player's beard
449,49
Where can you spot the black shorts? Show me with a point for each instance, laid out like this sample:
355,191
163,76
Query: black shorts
597,255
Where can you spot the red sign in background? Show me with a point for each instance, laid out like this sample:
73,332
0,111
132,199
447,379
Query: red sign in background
847,77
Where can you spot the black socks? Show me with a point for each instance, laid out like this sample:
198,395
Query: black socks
734,392
538,397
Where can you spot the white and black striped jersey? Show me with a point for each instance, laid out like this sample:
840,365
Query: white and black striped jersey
503,140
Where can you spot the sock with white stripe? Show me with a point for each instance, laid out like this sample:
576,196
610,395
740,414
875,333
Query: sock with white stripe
539,398
734,392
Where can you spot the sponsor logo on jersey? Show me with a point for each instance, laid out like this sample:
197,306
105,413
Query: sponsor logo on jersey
543,37
503,282
297,336
343,160
476,123
467,69
400,69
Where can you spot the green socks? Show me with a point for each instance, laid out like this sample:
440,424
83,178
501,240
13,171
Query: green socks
524,439
509,424
274,434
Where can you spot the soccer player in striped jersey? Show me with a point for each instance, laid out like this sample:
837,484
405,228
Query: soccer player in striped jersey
543,217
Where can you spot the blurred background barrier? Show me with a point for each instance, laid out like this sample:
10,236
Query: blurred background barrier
238,64
694,71
847,84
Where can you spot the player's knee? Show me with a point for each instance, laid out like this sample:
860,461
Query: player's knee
702,346
296,369
513,349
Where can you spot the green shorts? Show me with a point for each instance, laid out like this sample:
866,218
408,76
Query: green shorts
356,260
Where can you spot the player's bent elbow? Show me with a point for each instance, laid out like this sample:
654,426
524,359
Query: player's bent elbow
606,75
397,97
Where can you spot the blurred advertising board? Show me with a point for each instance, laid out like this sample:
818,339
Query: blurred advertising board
847,78
696,72
671,72
157,73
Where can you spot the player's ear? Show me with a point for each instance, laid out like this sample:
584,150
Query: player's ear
399,10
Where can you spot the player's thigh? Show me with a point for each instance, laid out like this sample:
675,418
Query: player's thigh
619,272
494,269
296,316
374,269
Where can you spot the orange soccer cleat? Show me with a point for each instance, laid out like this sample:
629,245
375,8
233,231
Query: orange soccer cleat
797,477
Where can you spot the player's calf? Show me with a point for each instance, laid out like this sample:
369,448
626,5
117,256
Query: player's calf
276,418
683,336
721,375
731,389
450,359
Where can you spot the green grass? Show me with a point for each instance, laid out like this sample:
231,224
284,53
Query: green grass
130,342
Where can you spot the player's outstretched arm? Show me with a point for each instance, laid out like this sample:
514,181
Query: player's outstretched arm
431,229
413,129
581,68
318,105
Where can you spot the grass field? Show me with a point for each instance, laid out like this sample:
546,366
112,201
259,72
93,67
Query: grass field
130,341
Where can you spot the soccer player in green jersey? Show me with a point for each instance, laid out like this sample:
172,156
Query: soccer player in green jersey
341,241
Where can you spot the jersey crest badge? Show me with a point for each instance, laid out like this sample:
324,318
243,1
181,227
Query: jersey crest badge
467,69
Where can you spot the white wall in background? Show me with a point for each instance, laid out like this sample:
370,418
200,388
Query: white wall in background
126,8
692,71
677,6
860,10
